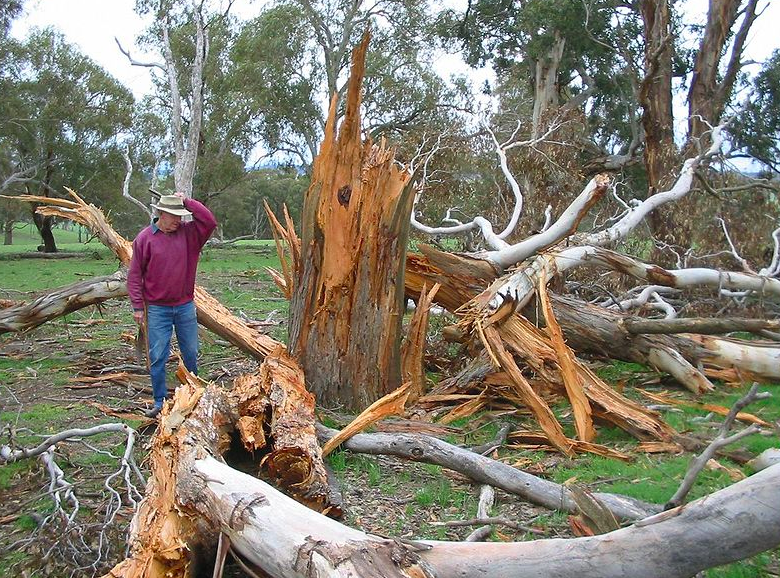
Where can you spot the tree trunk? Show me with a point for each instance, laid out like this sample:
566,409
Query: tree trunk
8,231
657,118
710,88
44,222
44,228
347,289
546,83
285,539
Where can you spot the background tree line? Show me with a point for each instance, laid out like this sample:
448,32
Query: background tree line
580,86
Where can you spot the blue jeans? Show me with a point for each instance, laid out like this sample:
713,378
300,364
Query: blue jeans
161,320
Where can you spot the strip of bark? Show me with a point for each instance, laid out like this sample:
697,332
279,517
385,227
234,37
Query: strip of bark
531,399
413,348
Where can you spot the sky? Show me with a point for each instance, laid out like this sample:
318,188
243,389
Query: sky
93,24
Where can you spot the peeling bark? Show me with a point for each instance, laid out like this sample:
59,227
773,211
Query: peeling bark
61,301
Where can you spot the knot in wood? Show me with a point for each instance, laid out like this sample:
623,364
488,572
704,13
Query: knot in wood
344,194
417,452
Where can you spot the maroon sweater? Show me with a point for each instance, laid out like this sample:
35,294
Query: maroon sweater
162,270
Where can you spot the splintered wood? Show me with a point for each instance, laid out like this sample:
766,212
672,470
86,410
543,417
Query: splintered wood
391,404
583,416
277,420
166,530
346,284
510,338
413,348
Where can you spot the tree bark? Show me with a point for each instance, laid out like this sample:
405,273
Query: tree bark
59,302
8,231
546,83
710,87
655,97
347,289
284,539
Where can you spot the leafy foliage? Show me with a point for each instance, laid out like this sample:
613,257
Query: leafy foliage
757,129
61,119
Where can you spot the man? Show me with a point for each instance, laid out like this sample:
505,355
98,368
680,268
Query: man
161,284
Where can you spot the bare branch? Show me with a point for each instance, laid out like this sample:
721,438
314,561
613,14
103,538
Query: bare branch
8,455
565,225
134,62
745,265
126,184
681,187
721,440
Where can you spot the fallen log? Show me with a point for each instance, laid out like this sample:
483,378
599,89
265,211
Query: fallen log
483,470
61,301
591,329
700,325
277,422
526,341
170,534
284,539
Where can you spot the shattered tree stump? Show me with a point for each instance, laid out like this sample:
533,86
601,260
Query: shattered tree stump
346,278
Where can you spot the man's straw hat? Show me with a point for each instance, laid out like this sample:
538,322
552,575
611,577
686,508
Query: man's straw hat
172,204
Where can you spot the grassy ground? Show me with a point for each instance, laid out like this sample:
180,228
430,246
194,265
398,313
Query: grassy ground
43,391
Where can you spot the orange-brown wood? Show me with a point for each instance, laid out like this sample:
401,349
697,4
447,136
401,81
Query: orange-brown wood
347,286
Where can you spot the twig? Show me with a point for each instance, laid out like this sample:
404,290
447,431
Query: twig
495,443
493,520
487,497
721,440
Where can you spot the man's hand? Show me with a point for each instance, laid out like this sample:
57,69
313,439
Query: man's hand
138,317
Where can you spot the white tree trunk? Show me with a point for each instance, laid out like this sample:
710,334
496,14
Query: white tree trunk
286,539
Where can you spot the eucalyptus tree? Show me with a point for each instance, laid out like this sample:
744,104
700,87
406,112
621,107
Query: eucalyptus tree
600,78
180,36
65,117
757,129
292,59
198,120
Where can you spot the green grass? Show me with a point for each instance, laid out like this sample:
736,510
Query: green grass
26,238
9,473
755,567
39,275
11,561
623,373
42,417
